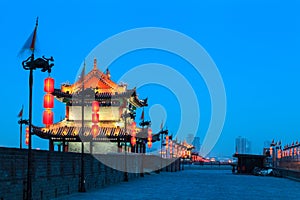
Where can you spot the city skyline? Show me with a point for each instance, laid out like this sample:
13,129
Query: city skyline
254,45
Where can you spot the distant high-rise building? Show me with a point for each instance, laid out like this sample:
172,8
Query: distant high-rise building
196,144
242,145
248,146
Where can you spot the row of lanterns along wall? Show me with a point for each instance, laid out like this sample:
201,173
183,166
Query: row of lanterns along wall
48,101
133,135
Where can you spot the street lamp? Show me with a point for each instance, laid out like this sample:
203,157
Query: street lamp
162,133
32,64
21,122
143,123
82,170
125,116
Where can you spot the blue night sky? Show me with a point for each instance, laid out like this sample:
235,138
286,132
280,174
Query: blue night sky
254,44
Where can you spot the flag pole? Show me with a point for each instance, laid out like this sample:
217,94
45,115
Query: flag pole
21,122
31,64
21,135
21,129
32,45
29,157
82,171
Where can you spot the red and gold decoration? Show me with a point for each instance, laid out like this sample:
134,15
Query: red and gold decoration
133,134
167,142
49,85
27,135
149,138
171,149
48,101
95,118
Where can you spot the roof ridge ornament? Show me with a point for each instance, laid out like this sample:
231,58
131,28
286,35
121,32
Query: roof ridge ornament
95,64
107,72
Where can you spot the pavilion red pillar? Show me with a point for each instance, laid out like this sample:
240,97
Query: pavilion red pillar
65,147
67,112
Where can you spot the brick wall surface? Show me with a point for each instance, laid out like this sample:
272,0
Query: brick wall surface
56,174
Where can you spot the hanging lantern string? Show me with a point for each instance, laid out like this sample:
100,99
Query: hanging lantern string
48,101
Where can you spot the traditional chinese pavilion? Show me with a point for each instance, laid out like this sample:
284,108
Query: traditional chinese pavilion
117,106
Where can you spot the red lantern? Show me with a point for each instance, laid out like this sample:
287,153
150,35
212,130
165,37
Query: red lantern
95,130
95,106
95,118
167,142
49,85
133,134
133,141
27,135
133,125
149,132
48,117
48,101
149,137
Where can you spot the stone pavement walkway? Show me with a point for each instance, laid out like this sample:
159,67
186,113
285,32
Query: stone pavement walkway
197,184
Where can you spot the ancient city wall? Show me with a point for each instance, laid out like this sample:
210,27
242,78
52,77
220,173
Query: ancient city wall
56,174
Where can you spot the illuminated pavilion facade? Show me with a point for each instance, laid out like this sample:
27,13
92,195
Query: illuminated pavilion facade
117,105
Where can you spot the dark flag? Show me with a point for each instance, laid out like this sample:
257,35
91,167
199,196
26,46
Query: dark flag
162,125
143,115
20,113
30,44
